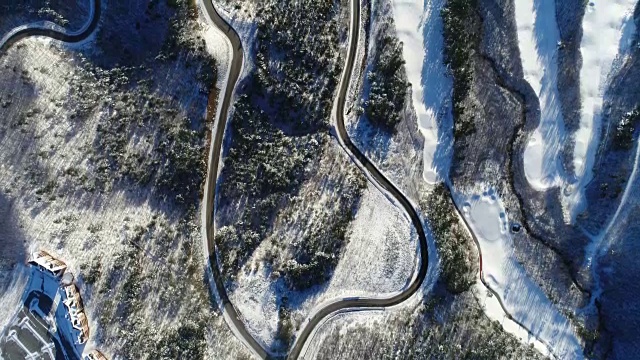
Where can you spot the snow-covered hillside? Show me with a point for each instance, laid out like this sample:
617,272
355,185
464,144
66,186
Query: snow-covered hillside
608,28
521,297
419,27
538,40
378,260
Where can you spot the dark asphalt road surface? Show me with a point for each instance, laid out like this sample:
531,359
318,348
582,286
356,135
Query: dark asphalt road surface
231,316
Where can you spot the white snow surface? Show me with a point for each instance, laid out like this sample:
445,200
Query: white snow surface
522,298
538,39
245,25
608,29
378,260
419,27
492,309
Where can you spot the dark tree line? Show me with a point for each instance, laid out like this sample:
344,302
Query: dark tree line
453,243
460,41
387,81
278,135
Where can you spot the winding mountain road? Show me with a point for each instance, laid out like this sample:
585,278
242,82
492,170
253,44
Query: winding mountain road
359,158
374,174
229,312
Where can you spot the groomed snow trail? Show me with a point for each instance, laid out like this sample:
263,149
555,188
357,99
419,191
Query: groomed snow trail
419,27
608,28
521,297
538,39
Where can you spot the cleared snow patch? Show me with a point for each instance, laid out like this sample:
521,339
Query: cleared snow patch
538,39
521,297
218,45
608,29
419,27
491,307
245,25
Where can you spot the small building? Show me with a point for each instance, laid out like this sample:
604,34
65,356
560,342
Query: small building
78,318
44,261
73,301
81,326
94,355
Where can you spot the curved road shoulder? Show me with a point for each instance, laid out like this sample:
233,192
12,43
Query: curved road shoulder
40,29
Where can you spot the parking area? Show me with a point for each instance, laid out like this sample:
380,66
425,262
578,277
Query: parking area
52,323
27,339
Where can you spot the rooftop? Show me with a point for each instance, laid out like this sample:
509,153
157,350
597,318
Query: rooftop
48,262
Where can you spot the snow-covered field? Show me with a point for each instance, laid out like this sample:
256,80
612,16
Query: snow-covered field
538,39
244,23
341,323
522,298
608,29
378,260
62,225
419,27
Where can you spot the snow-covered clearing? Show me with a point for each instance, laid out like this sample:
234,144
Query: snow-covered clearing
378,260
347,319
521,297
340,322
538,39
608,29
419,27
